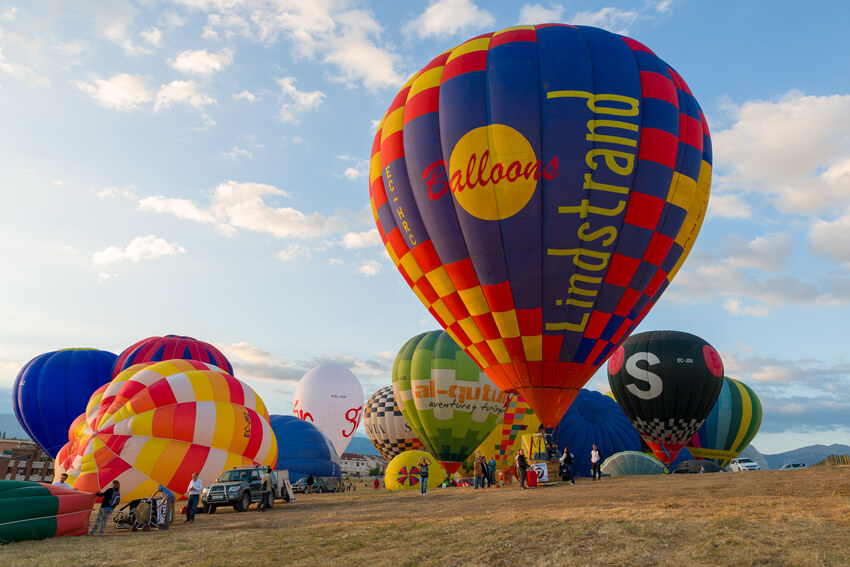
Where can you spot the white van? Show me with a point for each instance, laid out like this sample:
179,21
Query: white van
743,464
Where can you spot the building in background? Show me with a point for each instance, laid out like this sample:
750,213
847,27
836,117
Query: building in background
355,464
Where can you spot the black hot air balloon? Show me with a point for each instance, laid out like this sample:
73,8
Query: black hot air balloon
666,382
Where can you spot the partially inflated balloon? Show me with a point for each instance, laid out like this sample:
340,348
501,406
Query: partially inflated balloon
403,472
506,438
386,427
595,419
52,389
538,188
157,423
29,510
666,382
448,401
331,397
170,347
731,425
302,449
630,463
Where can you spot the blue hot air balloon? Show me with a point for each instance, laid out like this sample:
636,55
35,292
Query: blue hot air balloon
595,419
303,449
53,388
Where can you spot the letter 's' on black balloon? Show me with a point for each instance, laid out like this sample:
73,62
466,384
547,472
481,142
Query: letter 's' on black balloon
666,382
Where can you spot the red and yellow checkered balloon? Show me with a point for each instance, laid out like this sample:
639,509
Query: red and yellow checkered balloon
157,423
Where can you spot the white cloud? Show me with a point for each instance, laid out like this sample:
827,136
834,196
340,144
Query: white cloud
235,153
446,18
181,92
141,248
531,14
611,19
153,36
121,92
795,151
294,251
370,268
664,6
297,101
335,261
246,95
830,238
367,239
235,205
765,253
114,21
21,72
201,61
729,206
358,168
112,192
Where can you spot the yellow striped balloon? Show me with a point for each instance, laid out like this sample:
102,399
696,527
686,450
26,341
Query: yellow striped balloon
157,423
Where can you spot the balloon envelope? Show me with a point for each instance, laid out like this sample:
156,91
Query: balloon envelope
170,347
506,437
403,471
386,427
448,401
331,397
595,419
302,449
30,510
731,426
538,188
630,463
52,389
157,423
666,382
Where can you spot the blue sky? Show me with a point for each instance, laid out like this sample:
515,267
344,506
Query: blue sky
199,167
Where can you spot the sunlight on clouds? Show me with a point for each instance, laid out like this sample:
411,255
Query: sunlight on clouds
181,92
611,19
830,238
767,253
369,268
362,239
729,206
153,36
246,95
115,192
294,251
297,101
121,92
445,18
141,248
531,14
201,61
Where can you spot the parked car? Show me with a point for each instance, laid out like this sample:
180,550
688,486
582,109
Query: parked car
742,464
241,486
320,484
789,466
466,482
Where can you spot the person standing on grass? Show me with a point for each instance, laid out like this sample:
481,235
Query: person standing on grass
169,505
567,465
310,482
377,483
491,470
521,467
111,497
194,492
423,475
267,486
479,472
595,464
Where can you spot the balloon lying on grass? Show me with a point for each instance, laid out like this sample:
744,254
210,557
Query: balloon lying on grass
595,419
302,449
157,423
449,403
52,389
403,472
30,510
666,382
630,463
386,427
731,426
170,347
331,397
538,188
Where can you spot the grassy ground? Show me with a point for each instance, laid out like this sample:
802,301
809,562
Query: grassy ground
771,518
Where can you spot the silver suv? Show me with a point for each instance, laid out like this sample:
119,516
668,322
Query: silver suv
743,464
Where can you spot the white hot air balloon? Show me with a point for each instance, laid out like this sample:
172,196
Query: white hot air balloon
331,397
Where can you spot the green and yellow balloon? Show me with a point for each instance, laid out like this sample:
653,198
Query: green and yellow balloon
447,400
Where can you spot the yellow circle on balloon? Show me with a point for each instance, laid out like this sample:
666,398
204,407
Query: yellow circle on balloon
493,172
403,471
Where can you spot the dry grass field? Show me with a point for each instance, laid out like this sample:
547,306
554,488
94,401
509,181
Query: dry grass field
770,518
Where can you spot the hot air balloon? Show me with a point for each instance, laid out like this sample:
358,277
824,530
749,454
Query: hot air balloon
302,449
629,463
506,437
595,419
450,404
538,188
331,397
386,427
52,389
157,423
170,347
666,382
29,510
731,425
403,472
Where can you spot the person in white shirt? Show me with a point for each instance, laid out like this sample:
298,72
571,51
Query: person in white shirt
61,482
595,464
194,492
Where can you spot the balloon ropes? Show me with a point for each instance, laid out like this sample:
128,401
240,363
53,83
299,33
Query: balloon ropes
538,188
